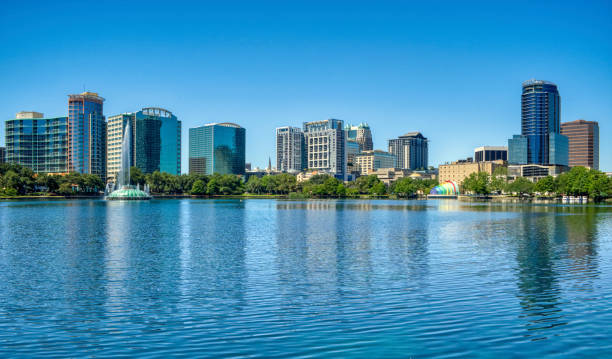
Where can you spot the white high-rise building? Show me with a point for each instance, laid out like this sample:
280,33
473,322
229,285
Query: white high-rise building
326,147
290,149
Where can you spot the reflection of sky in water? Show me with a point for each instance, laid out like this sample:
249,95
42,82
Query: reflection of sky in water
313,278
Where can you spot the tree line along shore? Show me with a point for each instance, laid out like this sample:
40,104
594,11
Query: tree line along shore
18,181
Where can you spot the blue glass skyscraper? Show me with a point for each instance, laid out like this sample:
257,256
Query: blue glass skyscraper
540,107
540,127
217,148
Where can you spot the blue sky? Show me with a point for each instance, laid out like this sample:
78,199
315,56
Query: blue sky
452,70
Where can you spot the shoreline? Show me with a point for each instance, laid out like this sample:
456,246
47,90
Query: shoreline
460,198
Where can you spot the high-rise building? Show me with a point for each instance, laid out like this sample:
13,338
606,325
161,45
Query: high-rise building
156,141
410,151
517,150
490,153
540,113
558,149
369,161
115,129
290,149
86,134
360,134
583,138
352,150
38,143
2,154
325,144
217,148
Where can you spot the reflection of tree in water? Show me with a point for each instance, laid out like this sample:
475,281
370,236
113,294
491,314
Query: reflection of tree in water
537,280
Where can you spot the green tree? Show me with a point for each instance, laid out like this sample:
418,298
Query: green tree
405,187
521,186
253,185
198,188
378,189
477,182
136,176
545,185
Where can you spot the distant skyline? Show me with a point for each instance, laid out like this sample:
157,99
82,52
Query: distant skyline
450,70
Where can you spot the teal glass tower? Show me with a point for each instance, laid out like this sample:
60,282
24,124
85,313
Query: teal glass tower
217,148
157,137
38,143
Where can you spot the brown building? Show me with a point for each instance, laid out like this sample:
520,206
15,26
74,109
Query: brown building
583,141
460,170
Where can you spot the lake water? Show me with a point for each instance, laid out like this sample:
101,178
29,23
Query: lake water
276,278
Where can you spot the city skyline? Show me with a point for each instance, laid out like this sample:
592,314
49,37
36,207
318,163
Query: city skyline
399,68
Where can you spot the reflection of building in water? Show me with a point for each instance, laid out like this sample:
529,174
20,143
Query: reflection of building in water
539,291
214,263
581,233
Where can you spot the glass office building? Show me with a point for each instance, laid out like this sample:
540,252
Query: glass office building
156,141
38,143
217,148
558,149
540,127
517,150
540,110
86,134
410,151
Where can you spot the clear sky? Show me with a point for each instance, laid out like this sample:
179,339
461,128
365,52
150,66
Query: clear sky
452,70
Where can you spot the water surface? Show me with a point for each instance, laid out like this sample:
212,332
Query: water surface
275,278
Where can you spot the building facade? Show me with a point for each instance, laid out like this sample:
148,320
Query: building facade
410,150
326,147
490,153
290,149
86,134
115,130
2,154
360,134
369,161
540,127
352,150
155,141
38,143
217,148
517,150
459,171
583,143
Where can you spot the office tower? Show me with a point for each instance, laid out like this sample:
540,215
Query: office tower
410,151
115,129
290,149
558,149
2,154
38,143
352,150
490,153
369,161
517,150
540,112
217,148
583,138
156,141
86,134
325,144
360,134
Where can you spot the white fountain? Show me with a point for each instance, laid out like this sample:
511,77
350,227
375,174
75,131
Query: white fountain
122,190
